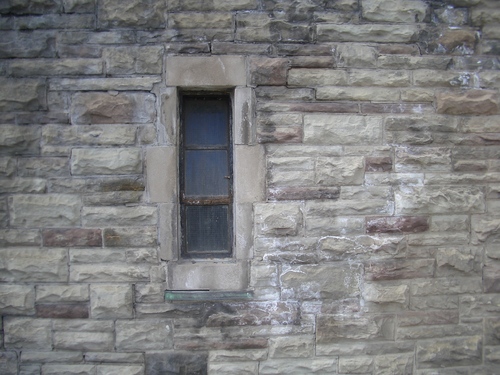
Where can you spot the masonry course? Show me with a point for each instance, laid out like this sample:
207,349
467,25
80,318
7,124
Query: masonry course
367,186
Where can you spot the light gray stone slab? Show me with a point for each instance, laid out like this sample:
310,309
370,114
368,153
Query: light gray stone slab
108,161
111,301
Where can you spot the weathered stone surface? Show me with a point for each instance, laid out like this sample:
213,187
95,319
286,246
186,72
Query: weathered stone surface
130,237
131,13
83,340
24,140
394,78
144,335
394,11
449,352
19,237
397,224
266,71
298,366
340,171
378,33
96,135
17,299
491,278
22,94
43,167
355,365
119,216
342,129
158,363
108,273
471,102
396,364
278,219
113,108
27,333
133,60
72,237
433,200
443,286
291,347
399,269
244,368
61,293
321,281
33,265
56,67
22,185
106,161
111,301
50,357
457,260
317,77
46,210
357,93
62,311
333,328
383,294
416,159
120,370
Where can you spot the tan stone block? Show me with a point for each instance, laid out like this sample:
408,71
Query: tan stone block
83,340
291,346
56,67
120,370
243,368
278,219
22,94
61,210
103,84
62,293
111,301
27,333
113,108
133,60
332,328
378,33
24,140
119,216
109,272
386,293
394,364
464,351
17,299
33,264
355,365
340,171
358,94
132,13
353,55
398,11
86,161
316,77
394,78
298,366
149,334
342,129
190,71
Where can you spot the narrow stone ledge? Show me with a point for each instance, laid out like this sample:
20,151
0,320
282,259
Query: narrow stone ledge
206,295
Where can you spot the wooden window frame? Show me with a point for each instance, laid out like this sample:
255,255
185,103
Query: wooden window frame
206,200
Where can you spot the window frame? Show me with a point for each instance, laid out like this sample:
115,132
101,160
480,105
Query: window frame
184,202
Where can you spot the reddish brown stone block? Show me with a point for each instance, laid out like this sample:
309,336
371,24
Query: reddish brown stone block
63,311
378,164
268,71
471,102
280,135
74,237
391,224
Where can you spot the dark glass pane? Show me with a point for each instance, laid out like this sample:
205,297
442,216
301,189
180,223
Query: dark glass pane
205,173
205,122
207,229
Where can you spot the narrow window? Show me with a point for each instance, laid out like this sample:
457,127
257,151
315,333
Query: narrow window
206,176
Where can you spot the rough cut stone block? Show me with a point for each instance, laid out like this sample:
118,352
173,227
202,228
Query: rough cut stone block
132,13
130,237
317,77
17,299
22,94
134,60
63,311
22,185
98,135
463,351
377,33
394,269
321,282
331,328
111,301
56,67
268,71
322,366
191,71
355,365
291,346
386,293
397,224
243,368
20,237
27,333
72,237
93,341
278,219
44,210
357,94
119,216
33,264
433,200
398,11
394,78
443,286
158,363
86,161
342,129
113,108
144,335
108,273
395,364
340,171
470,102
120,370
26,44
61,293
491,278
7,166
350,55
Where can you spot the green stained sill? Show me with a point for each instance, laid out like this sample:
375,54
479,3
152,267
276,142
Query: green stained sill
206,295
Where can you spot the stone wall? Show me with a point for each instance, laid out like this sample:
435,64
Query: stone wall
374,248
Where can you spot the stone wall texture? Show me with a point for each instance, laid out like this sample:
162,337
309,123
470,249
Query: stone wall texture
375,248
